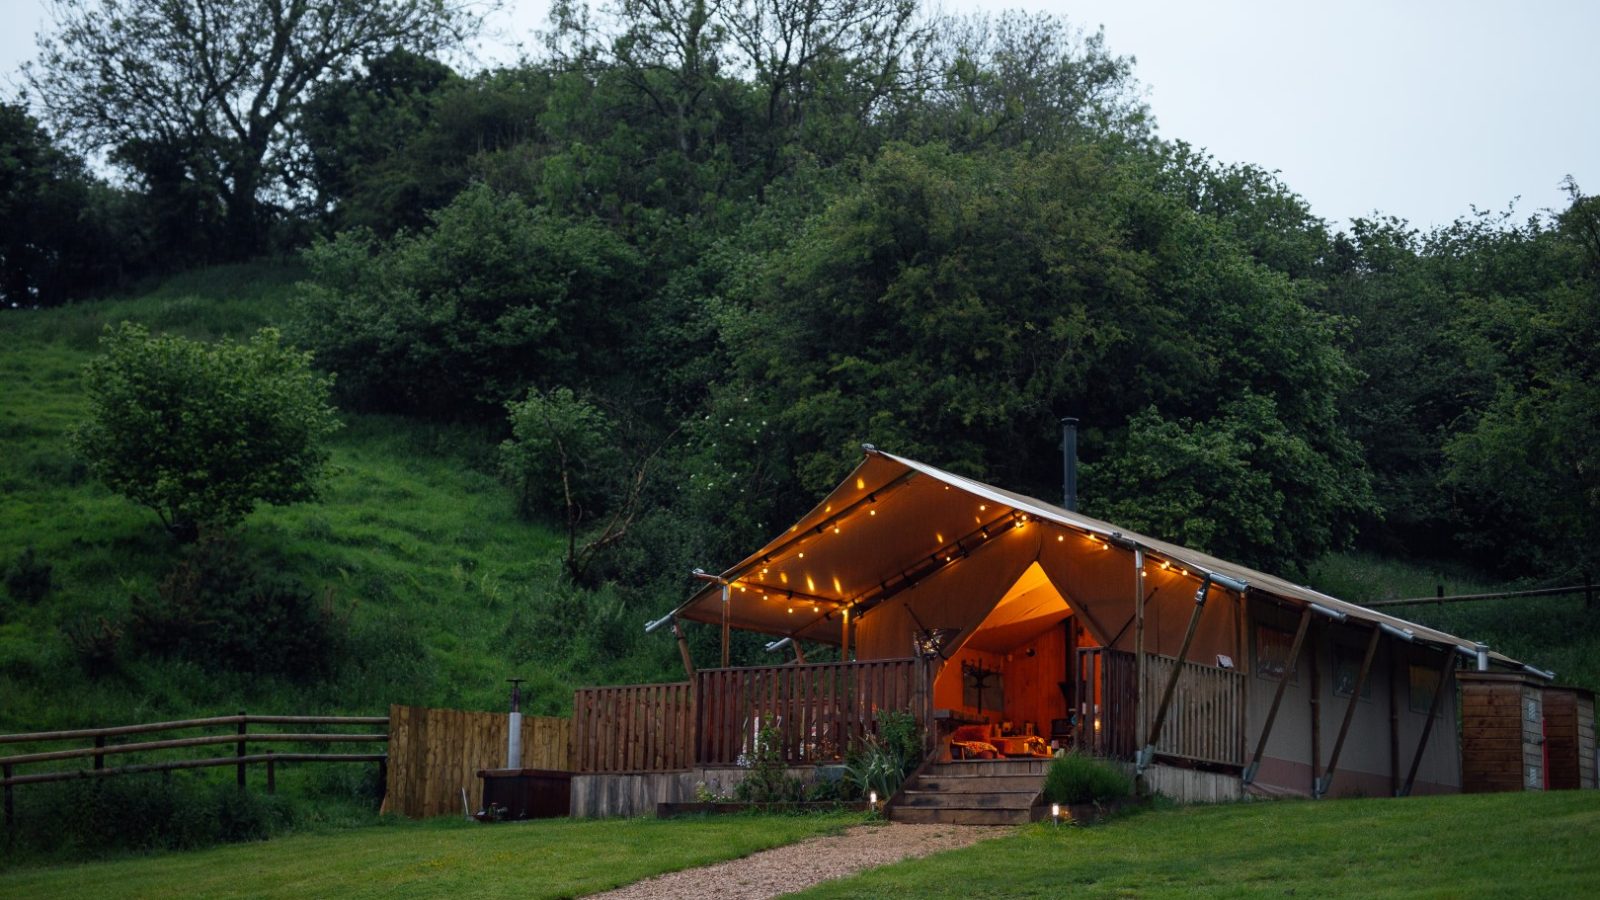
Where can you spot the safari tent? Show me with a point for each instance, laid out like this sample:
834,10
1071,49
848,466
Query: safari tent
1013,627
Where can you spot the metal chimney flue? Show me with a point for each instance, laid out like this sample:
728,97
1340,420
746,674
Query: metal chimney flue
1069,464
514,726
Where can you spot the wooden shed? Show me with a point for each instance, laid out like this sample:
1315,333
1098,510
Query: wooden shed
1569,738
1502,732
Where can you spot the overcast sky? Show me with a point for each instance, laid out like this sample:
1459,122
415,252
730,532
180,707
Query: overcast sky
1415,108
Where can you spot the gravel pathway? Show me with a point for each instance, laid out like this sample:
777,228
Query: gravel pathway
783,870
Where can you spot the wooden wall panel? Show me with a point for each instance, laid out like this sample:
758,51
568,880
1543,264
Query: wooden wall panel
435,753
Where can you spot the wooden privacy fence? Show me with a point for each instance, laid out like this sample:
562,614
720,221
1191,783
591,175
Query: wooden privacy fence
1205,722
817,710
633,728
435,754
240,738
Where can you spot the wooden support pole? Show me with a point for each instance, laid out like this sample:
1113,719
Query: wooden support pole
1177,670
272,774
683,648
1277,698
1139,708
239,776
99,758
726,599
844,635
799,654
1395,671
1314,684
1349,713
11,809
1446,672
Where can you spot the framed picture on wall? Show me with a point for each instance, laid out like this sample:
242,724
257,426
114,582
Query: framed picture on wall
1272,653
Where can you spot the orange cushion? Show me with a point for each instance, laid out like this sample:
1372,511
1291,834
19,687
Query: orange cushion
970,733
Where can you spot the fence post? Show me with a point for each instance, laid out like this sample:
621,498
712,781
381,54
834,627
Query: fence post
11,811
272,774
99,758
239,750
383,776
1588,592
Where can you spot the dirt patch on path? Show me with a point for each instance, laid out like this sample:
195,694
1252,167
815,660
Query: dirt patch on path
783,870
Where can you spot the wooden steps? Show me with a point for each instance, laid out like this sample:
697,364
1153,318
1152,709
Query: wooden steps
972,792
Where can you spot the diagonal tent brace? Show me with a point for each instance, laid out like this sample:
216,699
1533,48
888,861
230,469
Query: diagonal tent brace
1446,678
1277,698
1320,786
1147,754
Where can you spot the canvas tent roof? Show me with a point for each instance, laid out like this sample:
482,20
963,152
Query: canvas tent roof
893,520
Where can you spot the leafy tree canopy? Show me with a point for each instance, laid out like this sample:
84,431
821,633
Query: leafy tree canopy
206,94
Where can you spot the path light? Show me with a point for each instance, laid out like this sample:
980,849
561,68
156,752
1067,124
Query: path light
1055,813
872,800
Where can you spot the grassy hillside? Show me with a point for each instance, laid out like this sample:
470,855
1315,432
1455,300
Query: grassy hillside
1555,633
444,590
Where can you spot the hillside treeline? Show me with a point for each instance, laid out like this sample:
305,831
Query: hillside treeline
688,256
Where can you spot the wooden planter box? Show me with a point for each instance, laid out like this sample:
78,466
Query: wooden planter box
669,810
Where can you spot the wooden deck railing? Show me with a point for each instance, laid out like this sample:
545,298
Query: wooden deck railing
1105,692
240,738
1203,724
1204,720
818,710
633,728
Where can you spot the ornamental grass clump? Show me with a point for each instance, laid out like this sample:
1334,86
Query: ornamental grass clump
1078,778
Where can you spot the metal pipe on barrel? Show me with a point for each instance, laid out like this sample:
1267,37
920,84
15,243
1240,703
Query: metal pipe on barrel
514,726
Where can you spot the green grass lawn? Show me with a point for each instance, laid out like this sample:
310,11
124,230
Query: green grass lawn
1504,845
440,858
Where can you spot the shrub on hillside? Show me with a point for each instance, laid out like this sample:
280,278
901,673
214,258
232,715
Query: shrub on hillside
201,433
28,578
217,609
1079,778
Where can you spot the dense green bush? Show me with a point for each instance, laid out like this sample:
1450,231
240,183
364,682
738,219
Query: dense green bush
219,609
1079,778
80,819
456,319
202,433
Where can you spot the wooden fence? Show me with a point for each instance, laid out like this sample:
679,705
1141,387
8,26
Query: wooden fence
1204,723
435,754
818,710
633,728
240,738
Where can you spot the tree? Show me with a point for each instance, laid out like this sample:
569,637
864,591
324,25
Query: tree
494,296
207,92
202,433
63,234
563,455
953,306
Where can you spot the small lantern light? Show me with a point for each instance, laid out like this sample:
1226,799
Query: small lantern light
1055,813
872,799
